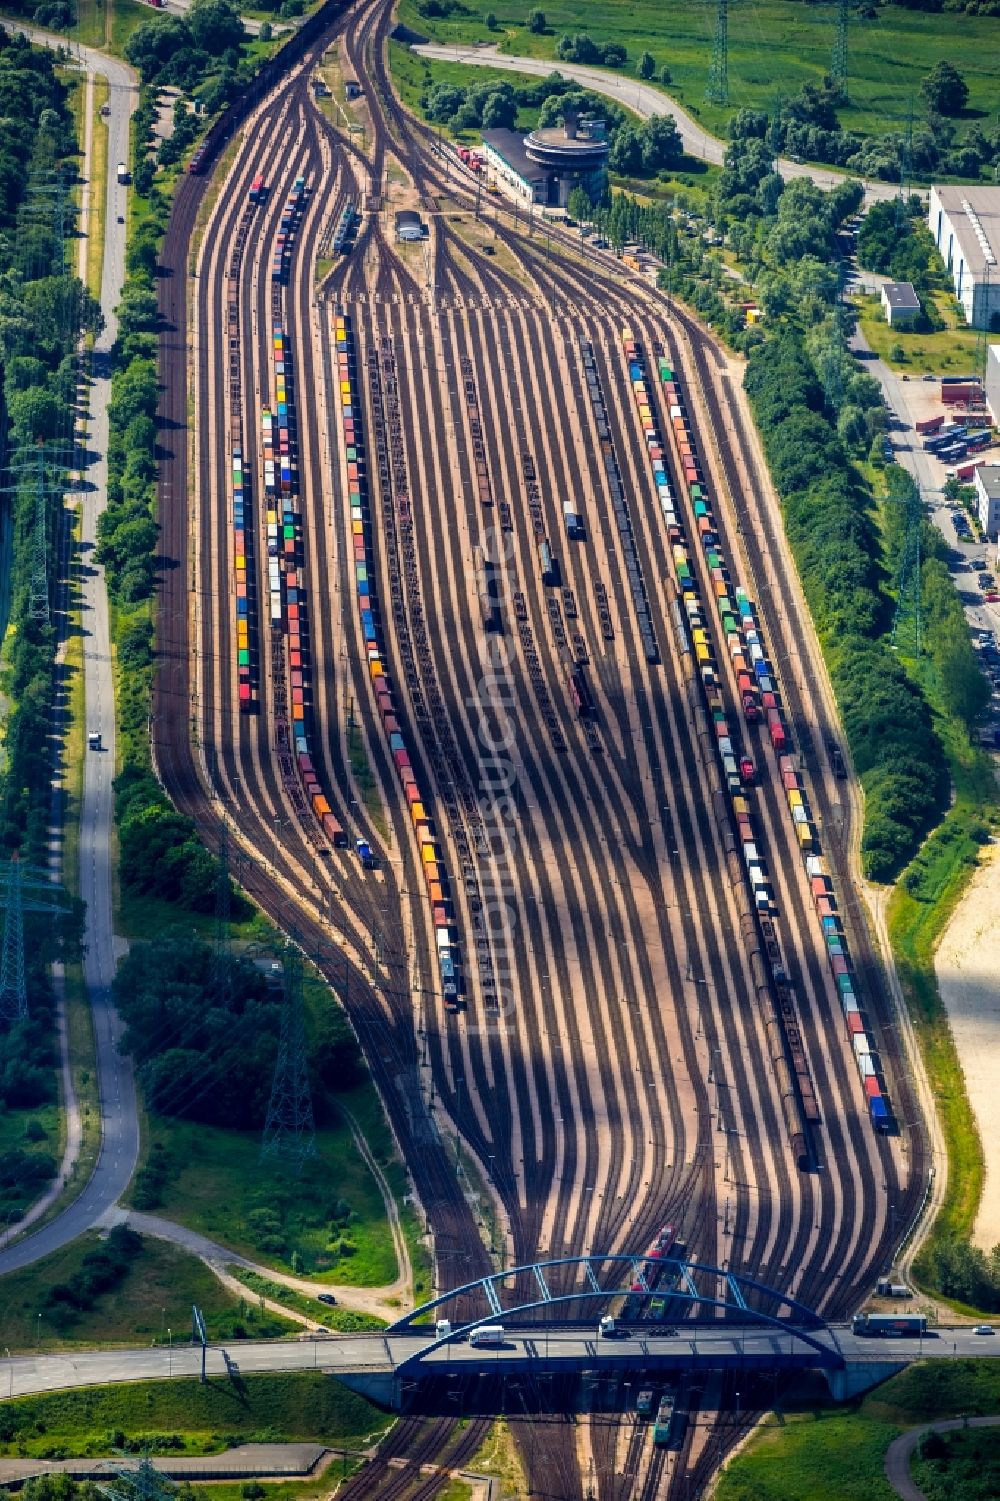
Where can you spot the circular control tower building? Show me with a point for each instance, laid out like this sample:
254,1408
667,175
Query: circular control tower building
569,156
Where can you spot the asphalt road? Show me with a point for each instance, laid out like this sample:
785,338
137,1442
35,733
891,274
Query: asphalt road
645,101
23,1375
119,1116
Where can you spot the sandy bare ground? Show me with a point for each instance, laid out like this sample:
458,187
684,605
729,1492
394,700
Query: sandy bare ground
968,971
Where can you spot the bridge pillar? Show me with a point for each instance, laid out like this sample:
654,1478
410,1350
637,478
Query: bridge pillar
859,1376
380,1387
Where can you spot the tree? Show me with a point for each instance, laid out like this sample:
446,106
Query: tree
944,89
266,31
491,21
536,22
579,205
614,55
666,77
645,65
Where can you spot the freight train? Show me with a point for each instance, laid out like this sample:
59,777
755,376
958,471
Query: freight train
432,860
756,684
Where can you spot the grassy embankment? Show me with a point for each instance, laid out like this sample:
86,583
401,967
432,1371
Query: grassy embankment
952,350
774,48
827,1452
107,24
155,1295
197,1419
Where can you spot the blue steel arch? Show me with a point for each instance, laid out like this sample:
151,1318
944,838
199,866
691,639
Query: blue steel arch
684,1289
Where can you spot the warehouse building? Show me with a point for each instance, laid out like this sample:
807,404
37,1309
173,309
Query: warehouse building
900,304
965,223
545,166
992,383
988,499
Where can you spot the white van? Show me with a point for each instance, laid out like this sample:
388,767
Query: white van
442,1329
487,1334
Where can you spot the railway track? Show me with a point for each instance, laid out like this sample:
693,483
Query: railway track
610,1069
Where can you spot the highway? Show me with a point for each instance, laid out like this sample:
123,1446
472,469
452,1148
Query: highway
644,100
119,1116
614,1070
699,1347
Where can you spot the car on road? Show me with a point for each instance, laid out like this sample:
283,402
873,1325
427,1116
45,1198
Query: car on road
992,596
984,1329
326,1298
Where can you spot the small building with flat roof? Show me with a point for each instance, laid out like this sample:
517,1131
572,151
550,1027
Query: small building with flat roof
509,168
965,224
900,303
409,225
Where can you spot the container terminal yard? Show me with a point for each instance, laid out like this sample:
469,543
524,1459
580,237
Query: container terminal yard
495,527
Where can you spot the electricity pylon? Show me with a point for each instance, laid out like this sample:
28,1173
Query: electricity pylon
38,462
13,983
838,72
717,91
290,1129
144,1483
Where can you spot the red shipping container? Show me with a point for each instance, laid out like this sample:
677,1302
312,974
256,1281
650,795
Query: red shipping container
854,1022
401,758
873,1088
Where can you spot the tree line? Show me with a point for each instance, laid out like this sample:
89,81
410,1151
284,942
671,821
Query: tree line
43,311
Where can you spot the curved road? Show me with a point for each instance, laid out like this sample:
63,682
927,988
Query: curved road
900,1452
645,101
119,1116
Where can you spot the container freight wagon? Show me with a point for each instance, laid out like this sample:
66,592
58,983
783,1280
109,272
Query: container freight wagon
432,862
287,603
240,539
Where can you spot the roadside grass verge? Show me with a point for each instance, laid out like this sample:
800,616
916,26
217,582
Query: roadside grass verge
125,15
919,909
196,1419
328,1222
775,47
154,1295
817,1449
98,188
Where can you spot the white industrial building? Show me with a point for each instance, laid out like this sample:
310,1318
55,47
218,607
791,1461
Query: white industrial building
992,382
965,223
988,499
